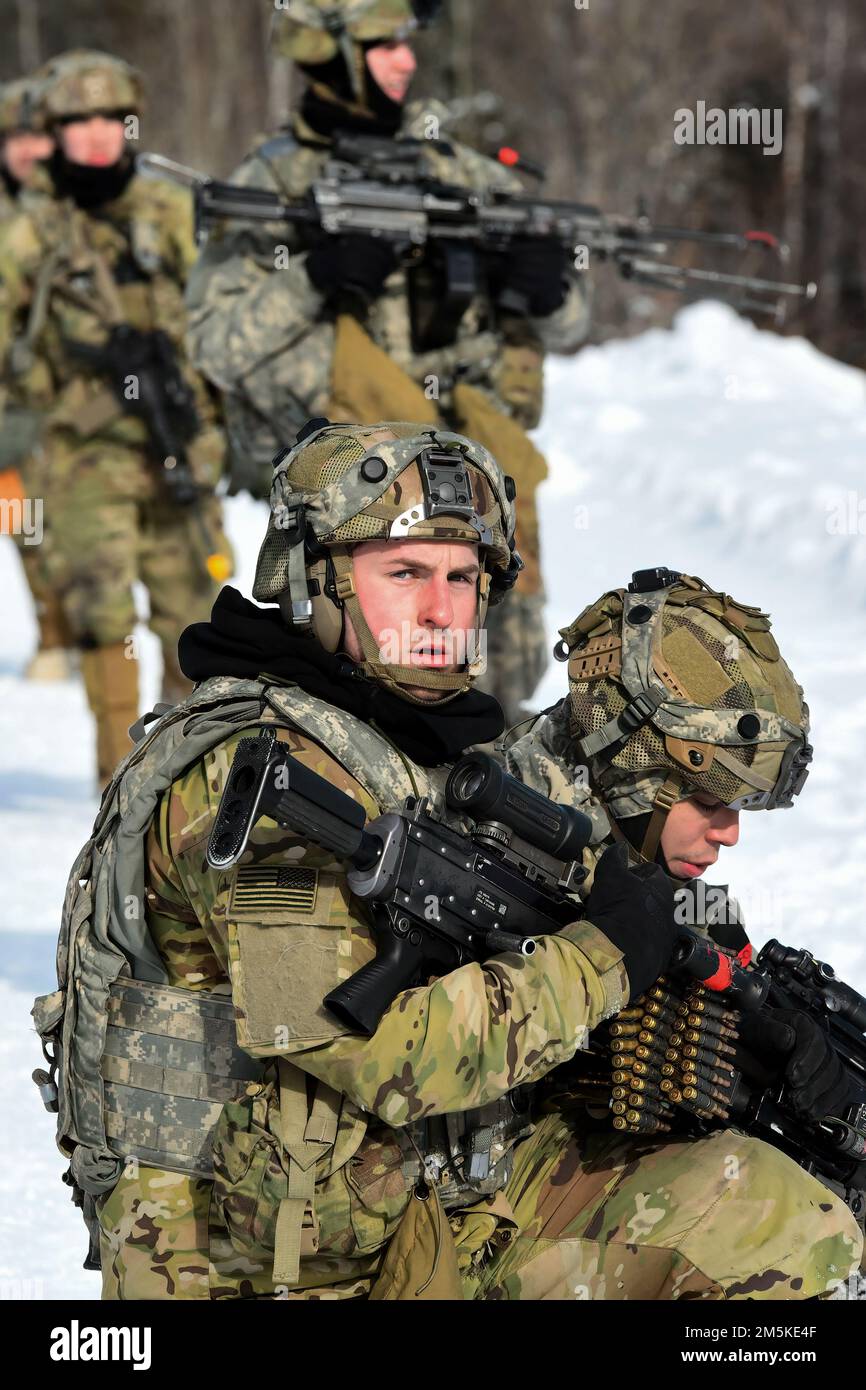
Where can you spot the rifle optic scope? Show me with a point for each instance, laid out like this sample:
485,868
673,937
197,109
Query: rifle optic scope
479,787
838,997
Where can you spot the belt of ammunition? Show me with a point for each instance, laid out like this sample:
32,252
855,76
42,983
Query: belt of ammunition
713,1026
639,1083
657,1037
706,1073
634,1011
624,1030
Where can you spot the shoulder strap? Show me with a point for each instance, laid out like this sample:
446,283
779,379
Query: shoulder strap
387,775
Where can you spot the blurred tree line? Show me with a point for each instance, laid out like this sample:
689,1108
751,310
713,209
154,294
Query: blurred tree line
589,88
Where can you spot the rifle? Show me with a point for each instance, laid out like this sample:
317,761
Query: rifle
439,897
380,187
165,403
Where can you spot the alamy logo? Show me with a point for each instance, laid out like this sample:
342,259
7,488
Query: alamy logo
741,125
76,1343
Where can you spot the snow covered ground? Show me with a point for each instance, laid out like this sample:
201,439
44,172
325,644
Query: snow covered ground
715,448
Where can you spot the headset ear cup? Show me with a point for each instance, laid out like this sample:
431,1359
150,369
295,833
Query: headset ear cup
328,616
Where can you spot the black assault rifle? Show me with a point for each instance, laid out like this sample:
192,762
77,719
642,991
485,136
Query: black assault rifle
439,897
381,187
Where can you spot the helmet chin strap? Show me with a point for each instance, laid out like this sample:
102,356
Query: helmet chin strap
663,800
390,674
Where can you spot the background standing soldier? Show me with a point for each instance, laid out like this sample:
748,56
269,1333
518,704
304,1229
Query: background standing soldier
347,331
93,269
24,143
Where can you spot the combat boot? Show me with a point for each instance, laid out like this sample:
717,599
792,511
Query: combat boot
111,682
51,664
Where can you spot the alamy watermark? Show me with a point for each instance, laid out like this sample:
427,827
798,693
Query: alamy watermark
22,516
452,647
740,125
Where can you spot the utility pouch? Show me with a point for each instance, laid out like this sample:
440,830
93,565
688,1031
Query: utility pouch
368,386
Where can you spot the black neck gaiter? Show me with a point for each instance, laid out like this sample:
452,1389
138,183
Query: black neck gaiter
245,641
327,115
89,186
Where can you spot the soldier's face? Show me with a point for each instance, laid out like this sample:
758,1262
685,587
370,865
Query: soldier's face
694,832
392,67
22,150
420,602
99,141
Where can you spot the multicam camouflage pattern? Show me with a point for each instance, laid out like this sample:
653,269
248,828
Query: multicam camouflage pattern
455,1044
85,82
109,517
582,1216
706,660
725,1216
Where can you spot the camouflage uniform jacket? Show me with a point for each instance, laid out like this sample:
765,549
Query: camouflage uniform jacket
127,264
266,339
283,928
20,426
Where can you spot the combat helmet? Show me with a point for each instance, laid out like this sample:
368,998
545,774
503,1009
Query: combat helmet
21,107
677,688
342,484
85,82
312,32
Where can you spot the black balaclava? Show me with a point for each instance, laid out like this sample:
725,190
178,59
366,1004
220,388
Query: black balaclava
326,116
89,186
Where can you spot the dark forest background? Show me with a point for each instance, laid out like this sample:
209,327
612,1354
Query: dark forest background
589,92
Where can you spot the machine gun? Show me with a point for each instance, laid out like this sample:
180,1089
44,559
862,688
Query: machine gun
672,1061
440,897
380,187
834,1148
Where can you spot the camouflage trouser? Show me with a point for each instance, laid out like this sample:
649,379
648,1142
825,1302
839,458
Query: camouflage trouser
517,653
162,1237
595,1216
110,521
609,1217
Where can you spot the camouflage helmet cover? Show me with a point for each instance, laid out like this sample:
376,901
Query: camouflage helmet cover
85,82
345,484
684,688
21,107
313,31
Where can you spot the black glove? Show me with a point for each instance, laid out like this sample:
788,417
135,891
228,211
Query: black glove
353,264
789,1045
533,277
635,909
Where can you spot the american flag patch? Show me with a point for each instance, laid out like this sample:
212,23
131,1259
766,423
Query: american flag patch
270,887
